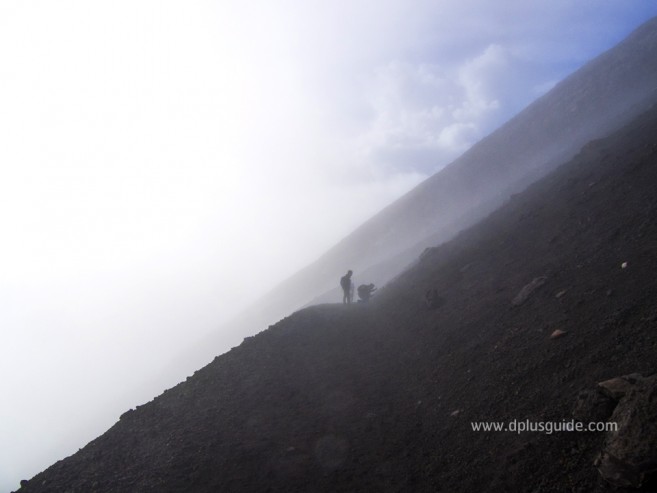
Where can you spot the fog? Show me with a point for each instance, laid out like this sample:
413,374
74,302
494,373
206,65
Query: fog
165,164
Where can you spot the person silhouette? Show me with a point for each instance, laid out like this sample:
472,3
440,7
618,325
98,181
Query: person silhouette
347,289
365,292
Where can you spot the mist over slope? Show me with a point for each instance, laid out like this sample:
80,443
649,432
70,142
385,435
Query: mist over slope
600,97
380,397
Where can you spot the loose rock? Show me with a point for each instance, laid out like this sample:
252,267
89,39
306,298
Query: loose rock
617,387
630,452
528,290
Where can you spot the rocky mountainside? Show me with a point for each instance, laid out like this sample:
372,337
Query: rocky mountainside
602,96
381,396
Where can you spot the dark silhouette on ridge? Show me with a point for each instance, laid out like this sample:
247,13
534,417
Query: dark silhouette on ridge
365,292
347,288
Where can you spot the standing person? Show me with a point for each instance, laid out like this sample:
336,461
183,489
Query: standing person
352,289
346,285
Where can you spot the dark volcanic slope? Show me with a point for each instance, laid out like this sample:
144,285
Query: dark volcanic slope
362,398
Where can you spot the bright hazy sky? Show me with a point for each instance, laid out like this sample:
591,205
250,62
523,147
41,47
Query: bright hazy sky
164,163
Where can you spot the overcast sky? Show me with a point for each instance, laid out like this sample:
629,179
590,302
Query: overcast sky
165,163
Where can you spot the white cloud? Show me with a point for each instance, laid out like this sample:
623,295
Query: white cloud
476,77
457,137
425,115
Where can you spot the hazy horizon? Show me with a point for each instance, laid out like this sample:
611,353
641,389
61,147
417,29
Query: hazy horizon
165,166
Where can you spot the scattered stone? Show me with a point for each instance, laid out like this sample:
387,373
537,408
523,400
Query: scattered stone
617,387
624,265
426,252
528,290
558,333
629,455
560,293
